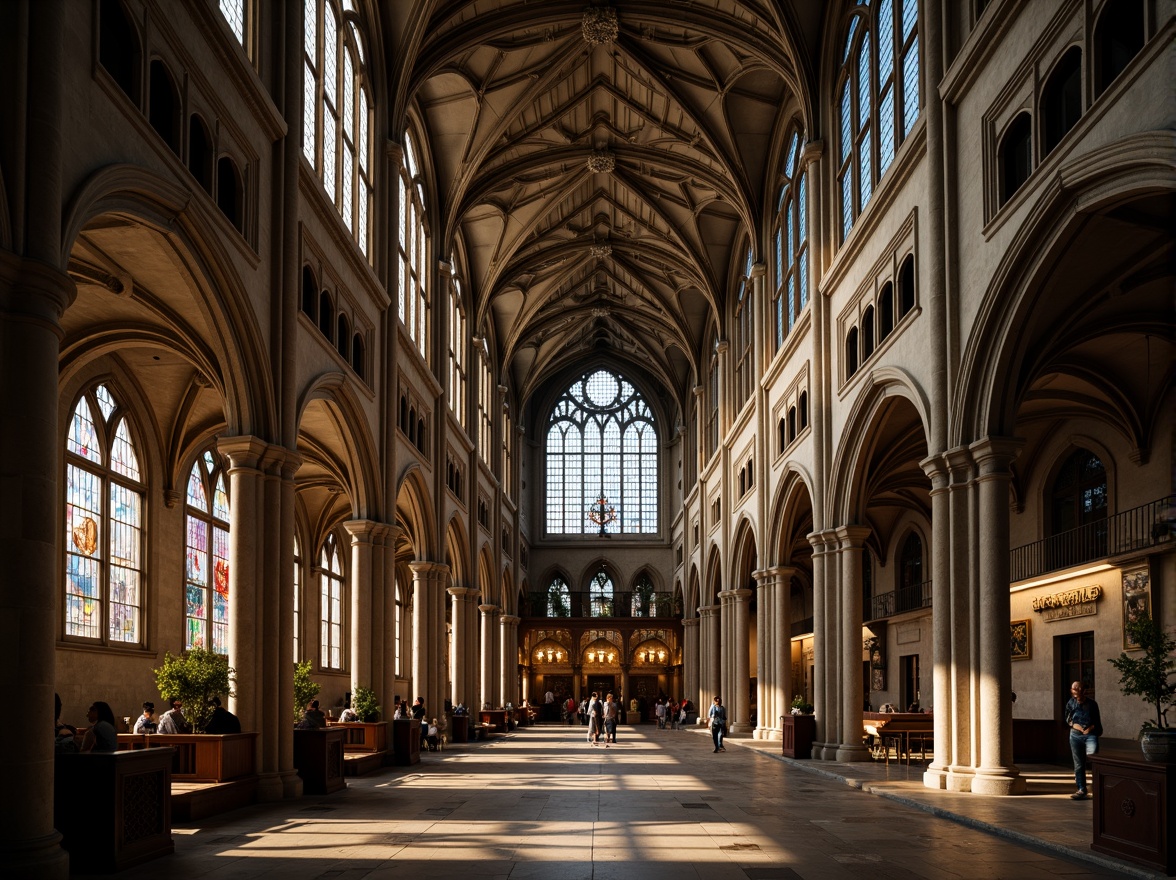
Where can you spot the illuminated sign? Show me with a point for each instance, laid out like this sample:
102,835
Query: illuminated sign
1079,602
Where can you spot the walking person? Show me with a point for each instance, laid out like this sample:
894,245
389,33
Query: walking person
1085,725
718,723
611,711
659,712
595,719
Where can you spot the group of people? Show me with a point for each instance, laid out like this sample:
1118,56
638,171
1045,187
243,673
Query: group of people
102,733
602,718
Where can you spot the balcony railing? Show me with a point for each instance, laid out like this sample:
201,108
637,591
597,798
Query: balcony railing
592,604
897,601
1126,532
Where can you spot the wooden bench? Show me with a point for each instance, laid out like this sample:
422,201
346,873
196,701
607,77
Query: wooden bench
365,745
211,773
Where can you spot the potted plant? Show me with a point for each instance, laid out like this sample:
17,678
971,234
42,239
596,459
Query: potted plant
195,677
305,690
1150,675
363,701
801,706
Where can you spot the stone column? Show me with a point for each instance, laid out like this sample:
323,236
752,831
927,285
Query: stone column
463,659
280,483
489,678
735,654
996,773
625,695
850,747
935,775
963,614
825,640
709,665
690,659
253,587
775,640
765,677
508,653
428,631
364,535
388,658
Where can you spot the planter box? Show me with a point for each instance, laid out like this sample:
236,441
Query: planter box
363,736
1134,808
318,758
797,735
113,809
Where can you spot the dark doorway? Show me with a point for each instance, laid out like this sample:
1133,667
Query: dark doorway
1075,653
909,695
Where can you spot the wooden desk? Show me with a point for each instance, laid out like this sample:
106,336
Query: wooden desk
318,758
500,718
902,729
1134,806
201,757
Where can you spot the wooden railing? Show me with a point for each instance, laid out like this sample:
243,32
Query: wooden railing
201,757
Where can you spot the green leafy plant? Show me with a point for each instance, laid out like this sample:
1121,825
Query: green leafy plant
801,705
305,690
363,701
195,677
1149,675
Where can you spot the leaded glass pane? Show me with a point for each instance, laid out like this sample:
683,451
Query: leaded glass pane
863,83
82,439
234,13
105,401
83,518
348,188
195,616
910,88
866,178
220,500
846,202
846,121
330,57
364,145
196,496
122,453
886,130
220,591
197,556
910,17
309,111
792,152
330,153
885,40
778,241
348,95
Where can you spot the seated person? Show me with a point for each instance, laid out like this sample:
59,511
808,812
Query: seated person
314,717
173,720
100,736
64,735
348,714
222,720
146,723
432,736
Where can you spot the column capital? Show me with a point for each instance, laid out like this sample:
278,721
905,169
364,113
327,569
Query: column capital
244,451
487,609
510,620
824,541
993,455
740,594
690,623
770,577
364,531
853,537
422,570
936,468
52,290
464,592
813,151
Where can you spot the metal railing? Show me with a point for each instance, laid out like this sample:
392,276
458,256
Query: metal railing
584,603
897,601
1126,532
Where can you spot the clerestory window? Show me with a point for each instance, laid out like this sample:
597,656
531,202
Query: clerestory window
602,447
790,239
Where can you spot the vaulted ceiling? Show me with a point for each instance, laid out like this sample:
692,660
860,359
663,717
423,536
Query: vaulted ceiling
597,168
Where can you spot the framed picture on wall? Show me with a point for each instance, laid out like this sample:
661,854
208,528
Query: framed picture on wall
1020,647
1136,598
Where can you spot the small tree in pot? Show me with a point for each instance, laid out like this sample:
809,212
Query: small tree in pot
195,677
1151,676
305,690
363,701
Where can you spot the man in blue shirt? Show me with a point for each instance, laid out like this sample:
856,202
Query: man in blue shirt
1085,728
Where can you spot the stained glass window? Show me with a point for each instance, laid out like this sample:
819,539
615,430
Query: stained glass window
206,579
331,582
104,515
337,109
602,443
878,98
791,253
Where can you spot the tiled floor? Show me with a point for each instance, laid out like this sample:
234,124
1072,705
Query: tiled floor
542,803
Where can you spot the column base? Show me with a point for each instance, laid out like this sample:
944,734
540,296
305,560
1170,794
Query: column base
998,781
739,728
849,754
291,784
270,788
768,733
35,859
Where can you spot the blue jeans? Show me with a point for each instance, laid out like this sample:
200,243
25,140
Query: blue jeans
717,734
1081,745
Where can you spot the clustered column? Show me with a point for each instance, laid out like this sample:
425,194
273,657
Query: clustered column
489,680
850,747
825,609
428,631
463,659
708,656
508,659
774,650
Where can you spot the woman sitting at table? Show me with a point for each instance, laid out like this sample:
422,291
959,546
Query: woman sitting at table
145,723
100,735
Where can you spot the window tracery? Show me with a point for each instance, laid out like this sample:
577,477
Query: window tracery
206,581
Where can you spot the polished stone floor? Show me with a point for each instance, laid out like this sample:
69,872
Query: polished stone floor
542,803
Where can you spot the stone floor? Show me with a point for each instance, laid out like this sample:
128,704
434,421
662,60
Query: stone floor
542,803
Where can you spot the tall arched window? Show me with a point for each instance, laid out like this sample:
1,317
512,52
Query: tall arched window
234,12
457,344
791,244
337,111
331,607
1079,492
559,598
1061,99
877,97
643,596
602,443
105,502
712,402
1015,155
745,368
412,250
910,562
601,596
206,582
486,389
1118,37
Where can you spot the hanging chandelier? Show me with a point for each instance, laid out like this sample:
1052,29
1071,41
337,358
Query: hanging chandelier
602,513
